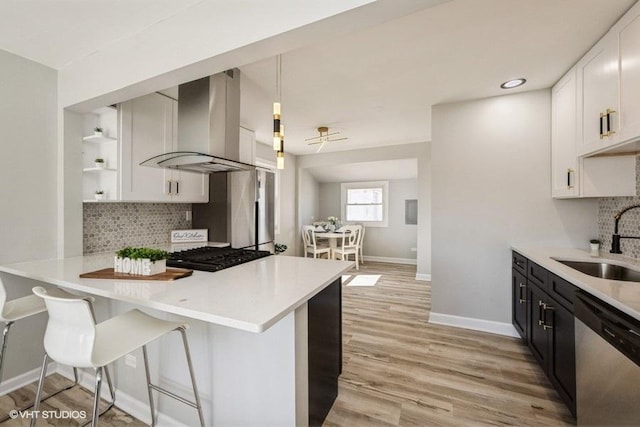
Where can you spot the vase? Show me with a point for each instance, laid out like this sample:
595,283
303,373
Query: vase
100,165
99,196
595,250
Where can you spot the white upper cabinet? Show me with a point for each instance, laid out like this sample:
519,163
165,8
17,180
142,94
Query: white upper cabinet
629,45
608,87
599,88
564,168
572,176
149,128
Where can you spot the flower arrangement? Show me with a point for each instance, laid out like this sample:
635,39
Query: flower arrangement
280,247
333,220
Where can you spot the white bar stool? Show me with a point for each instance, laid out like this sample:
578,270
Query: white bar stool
12,311
73,338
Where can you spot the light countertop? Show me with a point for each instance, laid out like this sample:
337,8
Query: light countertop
625,296
251,296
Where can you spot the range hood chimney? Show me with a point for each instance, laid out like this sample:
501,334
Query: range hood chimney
208,127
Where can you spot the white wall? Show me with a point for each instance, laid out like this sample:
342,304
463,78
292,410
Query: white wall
29,159
28,218
393,242
419,151
491,188
308,201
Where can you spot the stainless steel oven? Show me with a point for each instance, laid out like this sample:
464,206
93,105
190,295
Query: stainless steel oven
607,364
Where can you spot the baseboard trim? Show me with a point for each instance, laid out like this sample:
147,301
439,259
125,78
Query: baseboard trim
22,380
134,407
490,326
423,277
390,260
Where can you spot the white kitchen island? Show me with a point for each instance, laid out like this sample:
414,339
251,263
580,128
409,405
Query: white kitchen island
255,329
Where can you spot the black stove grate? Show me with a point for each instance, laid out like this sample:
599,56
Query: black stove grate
213,259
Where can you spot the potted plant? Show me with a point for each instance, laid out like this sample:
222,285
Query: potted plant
140,261
100,163
99,195
280,248
97,131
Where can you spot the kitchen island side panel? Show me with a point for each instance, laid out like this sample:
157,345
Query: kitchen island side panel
325,350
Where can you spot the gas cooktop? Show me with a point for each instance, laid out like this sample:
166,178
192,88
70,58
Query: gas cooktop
213,259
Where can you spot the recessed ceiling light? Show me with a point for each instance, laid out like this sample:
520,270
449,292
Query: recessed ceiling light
513,83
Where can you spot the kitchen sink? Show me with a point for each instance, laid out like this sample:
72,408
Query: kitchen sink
604,270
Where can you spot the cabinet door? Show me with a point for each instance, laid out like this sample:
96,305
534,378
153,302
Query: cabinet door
562,364
564,160
147,131
519,302
599,87
629,44
538,336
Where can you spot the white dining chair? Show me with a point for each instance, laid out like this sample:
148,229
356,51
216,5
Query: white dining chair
12,311
362,233
73,338
350,244
310,243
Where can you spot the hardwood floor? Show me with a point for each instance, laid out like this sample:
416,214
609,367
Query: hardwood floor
68,404
400,370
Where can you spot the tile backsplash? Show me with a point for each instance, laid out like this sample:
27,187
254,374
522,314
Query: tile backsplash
629,225
112,226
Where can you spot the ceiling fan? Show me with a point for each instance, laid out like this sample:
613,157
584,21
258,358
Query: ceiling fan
324,137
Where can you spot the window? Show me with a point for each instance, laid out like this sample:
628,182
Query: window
365,202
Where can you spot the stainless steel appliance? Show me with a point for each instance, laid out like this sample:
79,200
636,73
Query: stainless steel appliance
209,258
607,364
240,209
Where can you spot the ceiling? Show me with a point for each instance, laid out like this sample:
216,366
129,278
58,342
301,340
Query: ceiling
375,85
367,171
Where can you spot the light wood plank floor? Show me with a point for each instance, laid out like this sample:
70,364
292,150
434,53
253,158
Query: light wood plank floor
76,399
400,370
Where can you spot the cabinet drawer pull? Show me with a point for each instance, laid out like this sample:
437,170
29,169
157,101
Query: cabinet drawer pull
569,172
169,190
521,300
177,187
601,126
609,113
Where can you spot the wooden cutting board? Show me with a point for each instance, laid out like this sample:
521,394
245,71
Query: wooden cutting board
108,273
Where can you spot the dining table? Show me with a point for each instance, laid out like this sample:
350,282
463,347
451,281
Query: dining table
332,236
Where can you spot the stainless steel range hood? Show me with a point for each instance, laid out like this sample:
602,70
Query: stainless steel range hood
208,127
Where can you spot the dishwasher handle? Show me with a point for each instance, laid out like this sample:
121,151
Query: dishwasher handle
617,328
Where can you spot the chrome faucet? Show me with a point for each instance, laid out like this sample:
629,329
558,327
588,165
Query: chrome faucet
615,239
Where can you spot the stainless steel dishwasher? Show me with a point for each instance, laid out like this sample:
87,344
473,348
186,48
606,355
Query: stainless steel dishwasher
607,364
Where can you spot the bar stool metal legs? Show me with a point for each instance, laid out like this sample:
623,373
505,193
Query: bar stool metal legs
150,386
43,374
5,338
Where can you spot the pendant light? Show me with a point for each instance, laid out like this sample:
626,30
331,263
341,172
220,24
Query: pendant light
277,137
278,126
280,153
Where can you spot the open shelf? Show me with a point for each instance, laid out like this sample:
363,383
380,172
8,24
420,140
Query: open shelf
98,139
99,170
